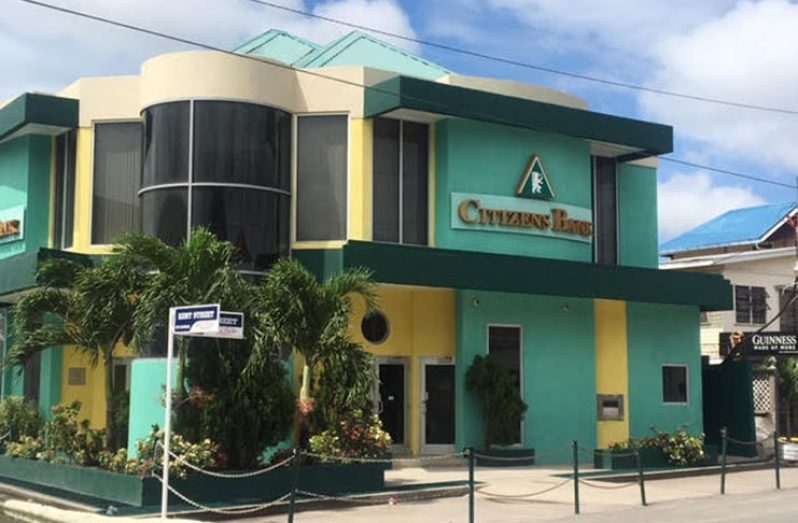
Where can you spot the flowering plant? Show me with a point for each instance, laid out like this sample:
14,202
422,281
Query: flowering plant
204,454
357,436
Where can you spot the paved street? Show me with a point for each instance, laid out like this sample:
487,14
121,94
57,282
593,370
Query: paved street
751,497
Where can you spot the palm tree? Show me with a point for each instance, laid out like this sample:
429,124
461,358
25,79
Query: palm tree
200,270
299,313
90,307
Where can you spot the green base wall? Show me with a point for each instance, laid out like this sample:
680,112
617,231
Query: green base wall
659,335
559,368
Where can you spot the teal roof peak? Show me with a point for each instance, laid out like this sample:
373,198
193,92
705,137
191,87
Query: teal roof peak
355,48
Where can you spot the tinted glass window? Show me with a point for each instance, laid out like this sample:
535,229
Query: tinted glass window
321,178
605,211
166,138
241,143
415,147
674,384
117,169
386,180
164,214
64,211
788,318
254,221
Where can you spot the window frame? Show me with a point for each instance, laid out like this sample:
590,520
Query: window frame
401,181
94,124
295,178
750,320
686,368
520,328
596,230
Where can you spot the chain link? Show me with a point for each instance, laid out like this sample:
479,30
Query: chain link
553,452
527,495
229,512
4,436
613,454
223,475
608,487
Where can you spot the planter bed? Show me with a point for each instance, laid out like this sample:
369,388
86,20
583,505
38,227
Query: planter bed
330,479
652,458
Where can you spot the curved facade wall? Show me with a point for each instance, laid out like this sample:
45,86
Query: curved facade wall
224,165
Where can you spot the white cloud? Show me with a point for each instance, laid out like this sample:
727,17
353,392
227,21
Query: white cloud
747,55
688,200
45,50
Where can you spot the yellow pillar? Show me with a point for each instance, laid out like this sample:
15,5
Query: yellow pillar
360,172
612,374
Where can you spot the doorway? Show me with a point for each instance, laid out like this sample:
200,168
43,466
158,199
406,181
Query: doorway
392,400
437,411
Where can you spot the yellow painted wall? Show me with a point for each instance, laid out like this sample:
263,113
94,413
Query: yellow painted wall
612,369
92,393
360,176
421,322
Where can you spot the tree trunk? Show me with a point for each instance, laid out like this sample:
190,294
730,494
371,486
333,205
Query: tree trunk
110,406
182,349
304,391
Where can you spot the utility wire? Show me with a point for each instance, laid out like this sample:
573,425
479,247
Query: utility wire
527,65
317,74
725,171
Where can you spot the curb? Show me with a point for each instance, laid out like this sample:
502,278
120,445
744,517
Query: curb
36,513
654,475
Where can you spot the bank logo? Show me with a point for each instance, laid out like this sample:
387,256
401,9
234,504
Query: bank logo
534,182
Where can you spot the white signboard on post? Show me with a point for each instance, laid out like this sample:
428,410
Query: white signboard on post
193,320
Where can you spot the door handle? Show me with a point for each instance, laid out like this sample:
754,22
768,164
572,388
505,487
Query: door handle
379,407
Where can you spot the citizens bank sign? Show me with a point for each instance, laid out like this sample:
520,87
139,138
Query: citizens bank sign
11,224
530,211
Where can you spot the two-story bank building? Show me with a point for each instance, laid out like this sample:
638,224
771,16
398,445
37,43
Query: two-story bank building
499,218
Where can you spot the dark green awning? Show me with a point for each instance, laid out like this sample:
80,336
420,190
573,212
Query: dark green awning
432,267
642,138
39,113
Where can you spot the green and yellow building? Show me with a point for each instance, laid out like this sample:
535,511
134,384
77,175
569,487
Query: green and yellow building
498,217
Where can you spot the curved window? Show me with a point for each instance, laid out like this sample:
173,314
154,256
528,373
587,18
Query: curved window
164,214
374,327
237,183
166,140
241,143
256,222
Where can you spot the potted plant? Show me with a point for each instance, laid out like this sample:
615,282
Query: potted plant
501,406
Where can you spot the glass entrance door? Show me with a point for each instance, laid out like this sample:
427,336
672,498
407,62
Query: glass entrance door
438,414
392,400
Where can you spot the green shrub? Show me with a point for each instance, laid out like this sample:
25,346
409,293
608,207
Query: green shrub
357,436
499,400
204,454
19,418
27,447
679,447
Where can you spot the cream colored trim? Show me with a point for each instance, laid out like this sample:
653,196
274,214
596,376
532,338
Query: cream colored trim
332,244
651,161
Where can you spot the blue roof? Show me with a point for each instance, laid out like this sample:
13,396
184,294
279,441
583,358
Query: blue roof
356,48
740,226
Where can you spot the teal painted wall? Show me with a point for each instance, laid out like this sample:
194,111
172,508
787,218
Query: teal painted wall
559,367
657,335
482,158
147,379
637,216
50,382
25,181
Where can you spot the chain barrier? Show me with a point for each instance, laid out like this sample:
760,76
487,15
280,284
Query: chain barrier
227,512
591,453
222,475
755,442
608,487
326,457
4,436
557,451
482,491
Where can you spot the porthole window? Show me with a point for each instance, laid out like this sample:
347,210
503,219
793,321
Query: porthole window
375,327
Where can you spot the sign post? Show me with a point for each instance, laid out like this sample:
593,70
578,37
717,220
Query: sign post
200,321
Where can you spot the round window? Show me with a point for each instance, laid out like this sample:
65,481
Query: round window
375,327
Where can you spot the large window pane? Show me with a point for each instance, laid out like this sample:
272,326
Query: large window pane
117,169
254,221
415,164
164,214
321,178
63,219
166,138
386,180
789,318
605,211
241,143
674,384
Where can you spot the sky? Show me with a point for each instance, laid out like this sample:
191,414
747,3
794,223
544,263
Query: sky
743,51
